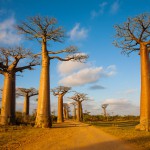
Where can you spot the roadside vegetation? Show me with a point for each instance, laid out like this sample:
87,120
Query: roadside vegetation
122,127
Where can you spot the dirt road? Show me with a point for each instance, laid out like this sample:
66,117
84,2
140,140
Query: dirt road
73,136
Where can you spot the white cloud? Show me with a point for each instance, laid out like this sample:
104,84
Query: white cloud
114,7
86,75
121,107
102,6
8,34
65,68
78,33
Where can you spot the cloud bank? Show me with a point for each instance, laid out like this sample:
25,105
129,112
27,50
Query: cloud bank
8,34
76,74
78,33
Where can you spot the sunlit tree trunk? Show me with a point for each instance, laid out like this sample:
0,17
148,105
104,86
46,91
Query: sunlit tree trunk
65,113
78,110
145,89
60,109
74,111
81,113
26,107
43,110
8,100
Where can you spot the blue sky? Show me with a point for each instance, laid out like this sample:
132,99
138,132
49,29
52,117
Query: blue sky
108,76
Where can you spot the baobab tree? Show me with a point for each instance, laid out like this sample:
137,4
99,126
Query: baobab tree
134,35
66,110
44,29
10,64
104,106
79,98
60,92
27,93
74,109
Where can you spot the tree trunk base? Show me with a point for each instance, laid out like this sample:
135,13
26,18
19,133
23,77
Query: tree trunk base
143,126
43,122
7,120
60,121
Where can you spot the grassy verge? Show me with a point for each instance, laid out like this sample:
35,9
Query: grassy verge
126,131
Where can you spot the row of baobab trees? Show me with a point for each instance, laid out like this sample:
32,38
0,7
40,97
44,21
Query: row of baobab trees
133,35
44,30
63,108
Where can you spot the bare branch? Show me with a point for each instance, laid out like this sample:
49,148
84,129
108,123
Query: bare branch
76,57
41,27
60,90
71,49
132,33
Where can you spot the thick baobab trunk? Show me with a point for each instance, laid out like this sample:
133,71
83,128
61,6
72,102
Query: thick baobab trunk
43,118
74,111
60,109
65,113
81,113
145,91
26,108
104,109
8,100
79,110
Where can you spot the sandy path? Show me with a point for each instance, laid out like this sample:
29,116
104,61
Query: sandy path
74,136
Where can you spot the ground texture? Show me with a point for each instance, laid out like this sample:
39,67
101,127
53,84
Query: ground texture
69,136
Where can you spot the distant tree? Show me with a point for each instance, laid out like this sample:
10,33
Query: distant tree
10,64
104,106
66,110
74,109
27,93
44,29
60,92
134,35
79,98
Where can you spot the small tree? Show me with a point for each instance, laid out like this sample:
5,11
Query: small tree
79,98
104,106
44,29
60,92
134,35
27,93
10,59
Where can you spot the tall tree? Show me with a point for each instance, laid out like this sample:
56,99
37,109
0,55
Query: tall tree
10,64
60,92
27,93
134,35
74,109
66,110
79,98
44,29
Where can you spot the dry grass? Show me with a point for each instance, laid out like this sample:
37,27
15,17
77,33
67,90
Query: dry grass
13,134
126,131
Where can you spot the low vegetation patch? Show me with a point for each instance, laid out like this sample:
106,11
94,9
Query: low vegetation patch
126,131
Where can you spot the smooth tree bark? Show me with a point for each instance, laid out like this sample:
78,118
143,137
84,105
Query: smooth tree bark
60,92
79,98
27,93
9,65
66,110
134,35
74,109
44,29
